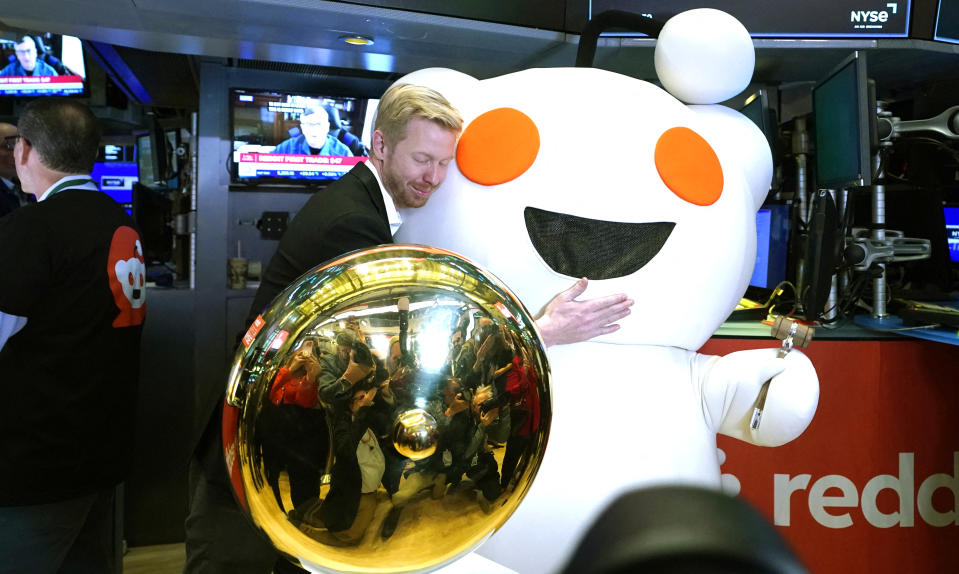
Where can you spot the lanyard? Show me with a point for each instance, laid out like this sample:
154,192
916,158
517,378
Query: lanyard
70,183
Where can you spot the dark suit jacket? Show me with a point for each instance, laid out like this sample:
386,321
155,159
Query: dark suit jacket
9,198
346,216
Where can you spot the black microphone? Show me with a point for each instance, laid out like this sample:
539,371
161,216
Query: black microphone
403,304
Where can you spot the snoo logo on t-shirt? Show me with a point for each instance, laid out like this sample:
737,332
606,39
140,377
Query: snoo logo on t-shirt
127,272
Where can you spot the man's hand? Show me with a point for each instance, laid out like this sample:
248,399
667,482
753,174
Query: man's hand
565,320
490,416
488,346
356,372
366,399
313,368
457,405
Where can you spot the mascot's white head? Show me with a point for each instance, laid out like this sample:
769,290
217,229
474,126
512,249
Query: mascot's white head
564,173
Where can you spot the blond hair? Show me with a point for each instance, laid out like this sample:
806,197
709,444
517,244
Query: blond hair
403,102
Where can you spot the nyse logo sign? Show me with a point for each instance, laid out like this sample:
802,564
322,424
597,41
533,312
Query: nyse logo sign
826,507
873,16
869,16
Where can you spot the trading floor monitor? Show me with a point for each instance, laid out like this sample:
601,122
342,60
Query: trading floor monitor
844,114
821,255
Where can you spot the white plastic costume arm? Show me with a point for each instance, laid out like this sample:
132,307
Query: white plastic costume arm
731,384
9,326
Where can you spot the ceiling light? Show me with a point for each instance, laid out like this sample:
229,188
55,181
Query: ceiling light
357,40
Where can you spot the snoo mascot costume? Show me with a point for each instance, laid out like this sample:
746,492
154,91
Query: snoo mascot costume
564,173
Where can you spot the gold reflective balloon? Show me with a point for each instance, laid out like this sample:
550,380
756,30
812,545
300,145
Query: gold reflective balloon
415,434
387,412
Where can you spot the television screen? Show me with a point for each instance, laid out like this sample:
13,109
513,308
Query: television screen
772,246
947,21
41,65
116,179
952,231
297,138
808,19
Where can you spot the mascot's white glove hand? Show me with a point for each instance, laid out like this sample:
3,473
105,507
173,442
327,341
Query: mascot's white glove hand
731,386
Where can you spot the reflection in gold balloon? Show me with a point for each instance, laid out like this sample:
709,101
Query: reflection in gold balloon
415,434
388,412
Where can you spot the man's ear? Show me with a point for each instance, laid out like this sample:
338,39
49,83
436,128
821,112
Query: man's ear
21,157
378,148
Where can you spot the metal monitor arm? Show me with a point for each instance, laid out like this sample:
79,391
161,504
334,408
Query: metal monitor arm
945,124
866,248
862,250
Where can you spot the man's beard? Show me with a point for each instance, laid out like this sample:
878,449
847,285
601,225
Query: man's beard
403,197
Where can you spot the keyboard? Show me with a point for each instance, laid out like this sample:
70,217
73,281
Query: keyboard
917,313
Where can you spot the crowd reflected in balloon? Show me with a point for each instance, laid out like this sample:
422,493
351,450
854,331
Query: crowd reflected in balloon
393,412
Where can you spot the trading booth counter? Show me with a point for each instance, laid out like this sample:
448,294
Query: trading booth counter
873,483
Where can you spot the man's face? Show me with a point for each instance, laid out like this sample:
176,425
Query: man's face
27,54
315,127
449,393
394,360
414,167
343,352
8,170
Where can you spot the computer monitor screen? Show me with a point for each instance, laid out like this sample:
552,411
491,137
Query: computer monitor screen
947,21
952,231
820,255
116,179
757,107
754,108
284,137
807,19
842,115
172,142
117,153
145,170
153,213
41,65
772,246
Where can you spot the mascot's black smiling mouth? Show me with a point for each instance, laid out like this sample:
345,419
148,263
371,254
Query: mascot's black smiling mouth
592,248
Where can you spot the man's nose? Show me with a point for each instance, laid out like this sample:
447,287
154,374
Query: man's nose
432,175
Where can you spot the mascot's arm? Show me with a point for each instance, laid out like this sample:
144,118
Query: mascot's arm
730,386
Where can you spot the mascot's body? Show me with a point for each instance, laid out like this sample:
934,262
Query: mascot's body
577,172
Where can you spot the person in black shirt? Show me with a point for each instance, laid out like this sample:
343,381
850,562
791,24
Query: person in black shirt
72,306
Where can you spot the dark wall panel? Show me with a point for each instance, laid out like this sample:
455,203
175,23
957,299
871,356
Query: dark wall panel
155,501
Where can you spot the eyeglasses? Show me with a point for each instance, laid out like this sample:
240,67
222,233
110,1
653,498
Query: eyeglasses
10,142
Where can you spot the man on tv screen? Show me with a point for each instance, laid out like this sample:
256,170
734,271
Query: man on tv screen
314,137
27,63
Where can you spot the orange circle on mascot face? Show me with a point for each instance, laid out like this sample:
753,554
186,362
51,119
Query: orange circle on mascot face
497,147
688,166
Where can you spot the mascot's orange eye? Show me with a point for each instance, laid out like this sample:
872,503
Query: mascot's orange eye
689,166
497,147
